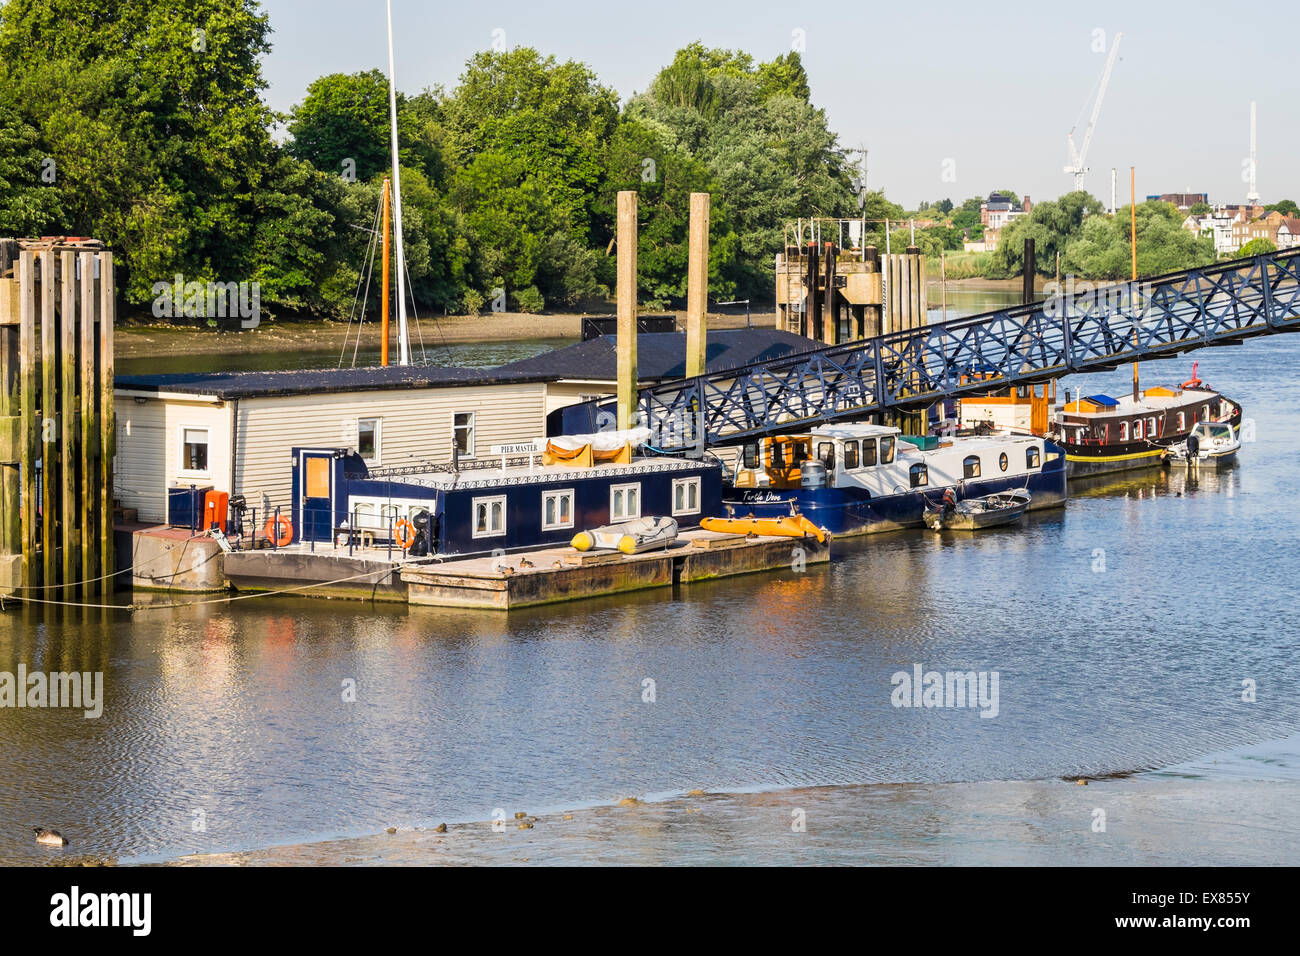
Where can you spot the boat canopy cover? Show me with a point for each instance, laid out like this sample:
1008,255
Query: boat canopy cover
583,451
1105,401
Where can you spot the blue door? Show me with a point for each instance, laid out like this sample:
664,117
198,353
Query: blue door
315,505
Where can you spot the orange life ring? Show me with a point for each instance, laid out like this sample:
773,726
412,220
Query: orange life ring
278,529
404,532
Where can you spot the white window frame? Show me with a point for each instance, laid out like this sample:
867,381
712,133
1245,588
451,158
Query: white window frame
558,493
613,489
181,470
487,501
379,439
473,434
690,484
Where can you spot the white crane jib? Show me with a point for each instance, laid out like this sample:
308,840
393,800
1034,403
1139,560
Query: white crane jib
1079,157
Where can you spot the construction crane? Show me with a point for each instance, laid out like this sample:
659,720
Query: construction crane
1078,157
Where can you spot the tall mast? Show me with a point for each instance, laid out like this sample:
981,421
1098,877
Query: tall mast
403,346
383,321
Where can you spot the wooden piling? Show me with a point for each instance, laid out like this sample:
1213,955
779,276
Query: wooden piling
697,286
107,422
830,300
27,403
88,425
11,432
70,537
50,477
627,296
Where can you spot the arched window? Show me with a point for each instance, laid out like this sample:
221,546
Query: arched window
970,468
1123,431
1137,429
1182,422
1003,461
1031,457
920,475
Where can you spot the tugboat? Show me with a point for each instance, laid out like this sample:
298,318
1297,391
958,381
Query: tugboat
860,479
1101,434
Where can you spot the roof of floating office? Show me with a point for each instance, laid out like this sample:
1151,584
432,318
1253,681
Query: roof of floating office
231,385
662,355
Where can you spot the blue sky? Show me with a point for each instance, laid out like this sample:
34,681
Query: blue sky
985,93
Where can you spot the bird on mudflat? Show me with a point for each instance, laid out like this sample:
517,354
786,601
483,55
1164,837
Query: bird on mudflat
50,837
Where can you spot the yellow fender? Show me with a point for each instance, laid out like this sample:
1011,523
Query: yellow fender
787,526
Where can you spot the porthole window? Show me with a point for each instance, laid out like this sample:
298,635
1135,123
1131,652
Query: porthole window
970,468
1003,461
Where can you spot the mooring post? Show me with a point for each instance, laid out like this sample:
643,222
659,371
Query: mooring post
627,239
50,497
27,394
697,286
108,445
86,505
70,538
830,306
11,430
1027,274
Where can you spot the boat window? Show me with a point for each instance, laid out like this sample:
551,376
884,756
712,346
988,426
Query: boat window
463,433
850,454
489,516
1182,422
970,468
1003,461
826,453
194,450
625,502
1123,431
368,430
1137,428
887,450
920,475
557,509
1151,427
750,452
686,496
1205,409
868,452
1031,457
777,455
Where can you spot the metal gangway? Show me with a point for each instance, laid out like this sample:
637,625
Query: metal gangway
1079,330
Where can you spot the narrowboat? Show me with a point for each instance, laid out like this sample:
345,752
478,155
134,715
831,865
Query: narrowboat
1101,434
860,478
535,494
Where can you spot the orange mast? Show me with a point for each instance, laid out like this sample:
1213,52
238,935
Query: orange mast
383,322
1133,243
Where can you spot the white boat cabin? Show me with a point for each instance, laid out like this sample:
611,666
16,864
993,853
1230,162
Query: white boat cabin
880,460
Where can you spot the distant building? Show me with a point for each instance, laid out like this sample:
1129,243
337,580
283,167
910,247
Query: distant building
1184,201
996,213
1288,234
1266,227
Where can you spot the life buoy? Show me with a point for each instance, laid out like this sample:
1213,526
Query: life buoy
278,529
404,532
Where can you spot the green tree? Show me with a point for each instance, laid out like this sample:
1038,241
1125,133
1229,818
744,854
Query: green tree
29,206
1200,209
344,118
1286,207
1256,247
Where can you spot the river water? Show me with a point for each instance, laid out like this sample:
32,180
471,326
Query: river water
1125,631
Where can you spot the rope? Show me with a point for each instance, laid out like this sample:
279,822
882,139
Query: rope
209,601
73,584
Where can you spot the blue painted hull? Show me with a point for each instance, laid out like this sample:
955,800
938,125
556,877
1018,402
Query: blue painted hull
849,511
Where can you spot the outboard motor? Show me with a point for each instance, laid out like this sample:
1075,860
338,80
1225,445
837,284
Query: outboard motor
238,505
422,546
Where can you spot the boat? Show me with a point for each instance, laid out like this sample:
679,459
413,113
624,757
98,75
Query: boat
859,478
529,495
631,537
1101,434
976,514
1210,445
785,526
